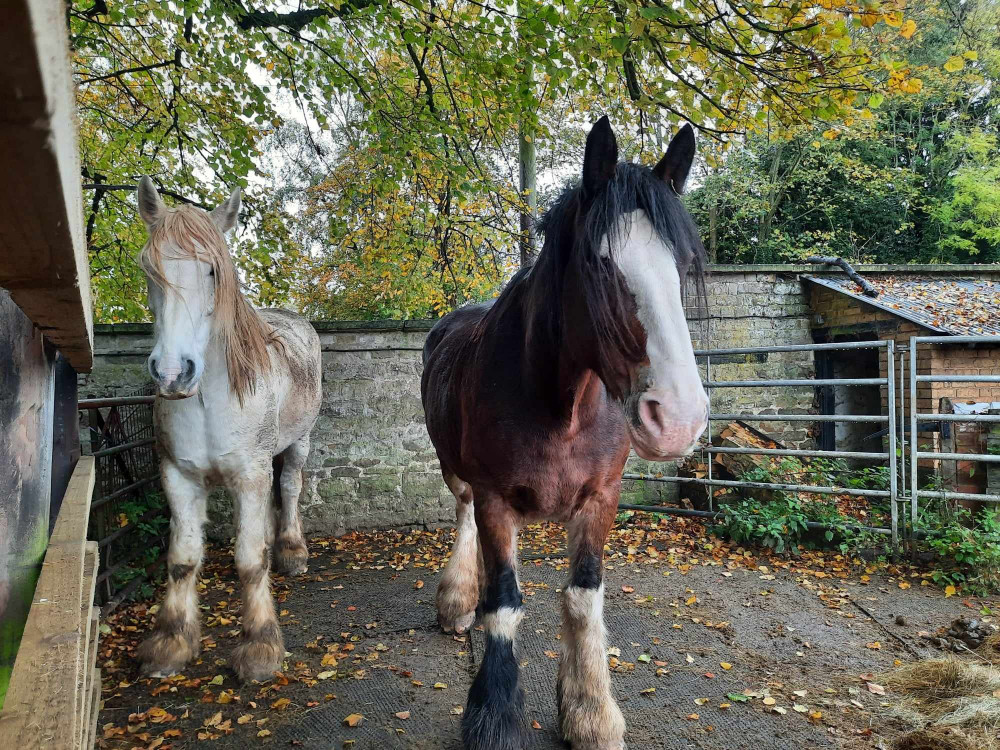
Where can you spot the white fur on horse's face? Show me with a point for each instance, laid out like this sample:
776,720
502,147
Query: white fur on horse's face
183,324
667,407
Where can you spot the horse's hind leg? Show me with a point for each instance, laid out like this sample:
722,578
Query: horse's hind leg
290,553
261,649
494,716
589,718
458,591
176,637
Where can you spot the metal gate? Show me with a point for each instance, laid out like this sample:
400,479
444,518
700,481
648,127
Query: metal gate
912,494
903,452
888,455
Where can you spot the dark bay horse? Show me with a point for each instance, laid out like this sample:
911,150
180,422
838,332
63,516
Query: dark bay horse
531,402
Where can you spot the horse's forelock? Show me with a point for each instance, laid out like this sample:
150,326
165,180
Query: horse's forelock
244,336
607,219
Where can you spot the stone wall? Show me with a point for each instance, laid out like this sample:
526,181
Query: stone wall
371,462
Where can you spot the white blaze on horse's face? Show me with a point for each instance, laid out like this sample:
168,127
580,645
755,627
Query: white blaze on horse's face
667,407
183,325
183,300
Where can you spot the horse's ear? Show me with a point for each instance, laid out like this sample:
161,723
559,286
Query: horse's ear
600,158
225,214
676,163
151,208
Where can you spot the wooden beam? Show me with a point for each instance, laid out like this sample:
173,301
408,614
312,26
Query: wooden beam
48,662
87,611
43,254
95,710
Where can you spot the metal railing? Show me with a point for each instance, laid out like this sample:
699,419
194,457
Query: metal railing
916,454
889,455
121,440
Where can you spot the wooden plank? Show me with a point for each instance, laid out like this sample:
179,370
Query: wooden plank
89,695
87,658
43,254
48,662
95,710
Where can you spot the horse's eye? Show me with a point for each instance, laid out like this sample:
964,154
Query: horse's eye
211,272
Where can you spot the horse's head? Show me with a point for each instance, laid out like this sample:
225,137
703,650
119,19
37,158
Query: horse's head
189,274
633,246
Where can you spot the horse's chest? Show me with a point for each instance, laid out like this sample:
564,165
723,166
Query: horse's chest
214,449
547,470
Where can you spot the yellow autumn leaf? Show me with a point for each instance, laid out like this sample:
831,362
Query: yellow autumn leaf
950,591
912,85
869,19
830,134
353,720
971,55
281,704
699,56
894,19
909,29
725,665
954,64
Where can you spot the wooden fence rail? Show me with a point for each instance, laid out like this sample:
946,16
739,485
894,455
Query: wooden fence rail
54,691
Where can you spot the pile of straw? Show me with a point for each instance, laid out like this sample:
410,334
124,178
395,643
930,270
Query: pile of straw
956,702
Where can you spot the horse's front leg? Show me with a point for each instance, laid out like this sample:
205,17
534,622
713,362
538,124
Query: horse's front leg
176,638
494,718
458,591
291,555
261,649
589,718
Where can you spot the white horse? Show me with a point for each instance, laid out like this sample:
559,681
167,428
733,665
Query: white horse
237,388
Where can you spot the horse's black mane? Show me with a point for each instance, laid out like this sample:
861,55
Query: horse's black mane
632,187
572,238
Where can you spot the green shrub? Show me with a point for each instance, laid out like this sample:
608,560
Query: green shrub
781,524
967,546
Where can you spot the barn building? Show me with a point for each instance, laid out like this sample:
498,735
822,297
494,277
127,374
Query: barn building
909,305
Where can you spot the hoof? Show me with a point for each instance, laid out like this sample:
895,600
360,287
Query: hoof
456,607
290,558
164,654
459,624
591,724
258,660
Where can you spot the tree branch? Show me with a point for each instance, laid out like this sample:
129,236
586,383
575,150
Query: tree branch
163,191
139,69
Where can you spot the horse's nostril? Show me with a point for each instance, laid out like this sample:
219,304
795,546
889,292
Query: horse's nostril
152,368
188,369
649,415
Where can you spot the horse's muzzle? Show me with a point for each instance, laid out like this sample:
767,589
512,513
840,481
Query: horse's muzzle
662,432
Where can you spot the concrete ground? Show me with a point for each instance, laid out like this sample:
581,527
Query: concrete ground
709,646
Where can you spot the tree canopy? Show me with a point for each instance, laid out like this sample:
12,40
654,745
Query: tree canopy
916,181
377,140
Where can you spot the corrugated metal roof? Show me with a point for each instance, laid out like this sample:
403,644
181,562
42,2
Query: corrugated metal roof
950,306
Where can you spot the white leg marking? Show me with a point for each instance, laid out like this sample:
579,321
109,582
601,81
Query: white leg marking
458,591
589,717
503,623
